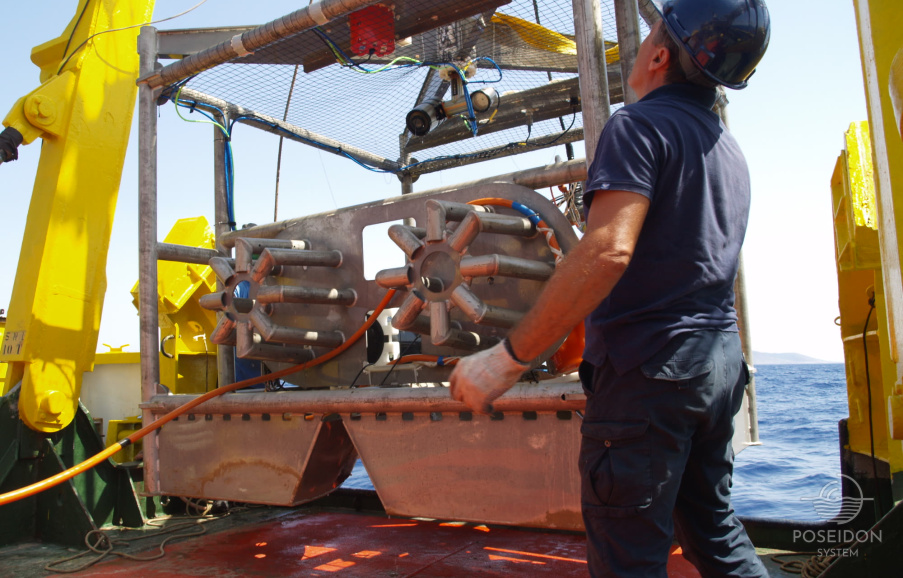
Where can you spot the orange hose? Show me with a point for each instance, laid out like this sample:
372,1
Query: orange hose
426,358
108,452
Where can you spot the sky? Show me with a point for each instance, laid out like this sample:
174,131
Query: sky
789,123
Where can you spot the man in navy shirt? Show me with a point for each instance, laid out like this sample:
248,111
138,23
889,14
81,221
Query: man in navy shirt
667,204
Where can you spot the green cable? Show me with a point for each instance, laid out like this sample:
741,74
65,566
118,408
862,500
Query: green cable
178,112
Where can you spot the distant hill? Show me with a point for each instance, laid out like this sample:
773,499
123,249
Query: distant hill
763,358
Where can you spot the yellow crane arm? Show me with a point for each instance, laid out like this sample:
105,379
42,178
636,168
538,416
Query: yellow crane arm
83,112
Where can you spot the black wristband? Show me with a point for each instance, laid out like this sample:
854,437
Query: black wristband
510,351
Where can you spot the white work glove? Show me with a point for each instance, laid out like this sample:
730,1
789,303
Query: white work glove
482,377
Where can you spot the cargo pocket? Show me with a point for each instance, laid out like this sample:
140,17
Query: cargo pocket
616,467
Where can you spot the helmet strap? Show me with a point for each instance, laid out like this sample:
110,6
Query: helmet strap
692,71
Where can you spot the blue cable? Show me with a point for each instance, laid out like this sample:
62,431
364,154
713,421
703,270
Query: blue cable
526,211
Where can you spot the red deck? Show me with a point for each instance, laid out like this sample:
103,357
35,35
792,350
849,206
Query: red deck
332,544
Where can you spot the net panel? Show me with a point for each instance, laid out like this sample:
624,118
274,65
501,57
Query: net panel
356,79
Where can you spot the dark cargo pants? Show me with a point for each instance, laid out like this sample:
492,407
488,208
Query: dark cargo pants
656,459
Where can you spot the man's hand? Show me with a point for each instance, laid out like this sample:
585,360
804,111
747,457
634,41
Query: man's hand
482,377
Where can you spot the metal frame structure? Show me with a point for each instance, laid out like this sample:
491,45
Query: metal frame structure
546,402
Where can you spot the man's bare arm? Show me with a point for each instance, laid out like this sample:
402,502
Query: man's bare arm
585,277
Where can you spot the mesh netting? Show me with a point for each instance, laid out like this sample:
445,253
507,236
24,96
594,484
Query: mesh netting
356,79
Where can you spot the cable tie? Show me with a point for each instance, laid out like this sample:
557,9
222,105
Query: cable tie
239,47
315,11
441,361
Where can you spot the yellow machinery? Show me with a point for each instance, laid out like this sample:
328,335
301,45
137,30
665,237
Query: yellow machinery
83,112
879,23
188,359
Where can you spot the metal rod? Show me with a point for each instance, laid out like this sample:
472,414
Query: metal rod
318,13
475,223
294,335
596,105
222,333
213,301
535,178
628,21
440,322
225,354
250,346
480,312
742,308
313,295
303,258
246,248
395,278
185,254
408,311
147,250
223,270
406,239
648,12
457,211
290,131
479,156
545,396
505,266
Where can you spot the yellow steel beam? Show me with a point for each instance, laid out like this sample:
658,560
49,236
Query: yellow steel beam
879,23
83,112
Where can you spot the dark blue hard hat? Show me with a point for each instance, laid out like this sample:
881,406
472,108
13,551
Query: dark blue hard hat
723,40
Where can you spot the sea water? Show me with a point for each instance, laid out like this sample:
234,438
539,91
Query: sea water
799,407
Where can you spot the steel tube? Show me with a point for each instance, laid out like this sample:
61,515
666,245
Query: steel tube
561,138
480,312
297,336
313,295
318,13
475,223
225,353
628,23
222,333
546,396
648,12
440,329
465,234
460,339
535,178
505,266
213,301
293,257
435,221
506,225
223,270
594,98
408,311
185,254
250,346
246,248
395,278
147,250
457,211
406,239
